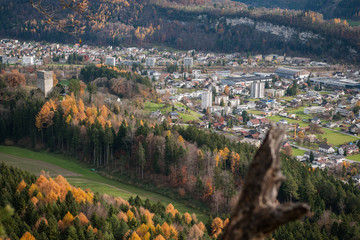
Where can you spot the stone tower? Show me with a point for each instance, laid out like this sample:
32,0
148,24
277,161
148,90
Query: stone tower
45,81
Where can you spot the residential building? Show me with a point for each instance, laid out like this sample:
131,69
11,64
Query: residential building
356,178
188,62
45,81
174,115
314,110
150,62
28,61
223,98
253,122
343,112
206,100
348,149
257,90
275,92
251,141
326,148
196,73
110,61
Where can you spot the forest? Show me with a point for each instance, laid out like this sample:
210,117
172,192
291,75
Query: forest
331,9
50,208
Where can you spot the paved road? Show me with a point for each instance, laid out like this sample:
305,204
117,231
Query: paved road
302,148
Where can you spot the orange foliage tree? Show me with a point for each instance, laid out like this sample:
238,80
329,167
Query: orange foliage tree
15,79
217,227
27,236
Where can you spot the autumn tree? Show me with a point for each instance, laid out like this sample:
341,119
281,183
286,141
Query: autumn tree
27,236
216,227
15,79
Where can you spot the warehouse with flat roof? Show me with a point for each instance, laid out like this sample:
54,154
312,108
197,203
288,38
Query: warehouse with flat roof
291,73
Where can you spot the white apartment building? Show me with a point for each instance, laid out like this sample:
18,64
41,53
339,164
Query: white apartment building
28,61
188,62
257,90
150,62
206,100
224,98
110,61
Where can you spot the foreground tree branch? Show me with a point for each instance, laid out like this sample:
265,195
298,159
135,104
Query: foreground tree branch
257,213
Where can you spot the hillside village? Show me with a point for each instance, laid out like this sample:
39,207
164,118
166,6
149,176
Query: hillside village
235,95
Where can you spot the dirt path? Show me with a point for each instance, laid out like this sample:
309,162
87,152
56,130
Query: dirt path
35,166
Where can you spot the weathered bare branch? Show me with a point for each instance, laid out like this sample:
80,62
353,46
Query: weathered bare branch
257,213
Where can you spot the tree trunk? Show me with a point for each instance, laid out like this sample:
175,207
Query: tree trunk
257,213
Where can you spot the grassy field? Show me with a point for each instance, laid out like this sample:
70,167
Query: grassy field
289,120
64,82
256,112
300,113
336,138
287,98
354,157
81,175
151,106
190,115
297,152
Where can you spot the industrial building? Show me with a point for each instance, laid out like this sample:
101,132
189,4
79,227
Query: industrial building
291,73
335,82
245,81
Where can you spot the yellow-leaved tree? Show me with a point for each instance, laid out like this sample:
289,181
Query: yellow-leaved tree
217,227
27,236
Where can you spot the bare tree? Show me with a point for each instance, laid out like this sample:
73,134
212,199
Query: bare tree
257,213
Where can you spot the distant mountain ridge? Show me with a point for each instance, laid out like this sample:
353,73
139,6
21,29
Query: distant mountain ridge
189,24
329,8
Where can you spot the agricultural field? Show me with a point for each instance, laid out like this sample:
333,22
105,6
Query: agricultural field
289,120
82,175
354,157
336,138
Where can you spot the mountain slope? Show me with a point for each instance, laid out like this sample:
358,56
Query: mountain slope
187,26
330,8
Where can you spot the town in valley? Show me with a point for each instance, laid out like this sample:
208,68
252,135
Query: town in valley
235,95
